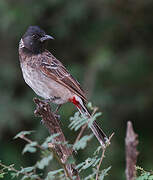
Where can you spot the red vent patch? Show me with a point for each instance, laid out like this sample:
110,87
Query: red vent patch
75,102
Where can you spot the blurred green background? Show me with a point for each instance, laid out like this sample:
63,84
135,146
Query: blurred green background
108,46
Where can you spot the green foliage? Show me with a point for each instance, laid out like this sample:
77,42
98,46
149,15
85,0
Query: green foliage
104,173
31,147
51,175
143,175
23,133
2,175
82,143
44,162
47,159
49,139
77,121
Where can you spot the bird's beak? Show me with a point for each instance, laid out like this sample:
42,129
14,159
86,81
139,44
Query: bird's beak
46,37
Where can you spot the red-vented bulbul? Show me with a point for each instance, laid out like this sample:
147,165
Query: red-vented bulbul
49,78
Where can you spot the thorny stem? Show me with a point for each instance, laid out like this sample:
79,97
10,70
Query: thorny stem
11,168
103,155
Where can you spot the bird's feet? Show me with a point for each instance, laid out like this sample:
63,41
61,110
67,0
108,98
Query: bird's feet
51,99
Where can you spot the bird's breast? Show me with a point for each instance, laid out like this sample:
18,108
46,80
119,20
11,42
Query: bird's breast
44,86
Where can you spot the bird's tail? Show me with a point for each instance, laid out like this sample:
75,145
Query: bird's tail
98,132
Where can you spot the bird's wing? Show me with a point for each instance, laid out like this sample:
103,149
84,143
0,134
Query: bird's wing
54,69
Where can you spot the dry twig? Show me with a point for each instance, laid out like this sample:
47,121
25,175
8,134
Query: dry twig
29,141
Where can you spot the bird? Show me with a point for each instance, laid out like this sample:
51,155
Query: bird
49,78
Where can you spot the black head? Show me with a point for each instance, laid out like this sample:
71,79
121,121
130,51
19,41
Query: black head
34,39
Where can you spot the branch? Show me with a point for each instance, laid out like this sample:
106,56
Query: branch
81,132
11,168
131,143
58,147
103,155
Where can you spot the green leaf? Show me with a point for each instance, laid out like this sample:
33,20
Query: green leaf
32,177
14,174
70,160
144,176
82,143
80,165
88,163
49,139
96,162
93,118
52,174
30,147
90,105
77,121
25,178
104,173
91,176
151,177
2,174
44,162
27,169
23,133
97,150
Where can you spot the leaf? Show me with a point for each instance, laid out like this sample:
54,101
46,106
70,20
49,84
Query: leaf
70,160
27,169
90,105
97,150
96,162
2,174
44,162
144,176
93,118
80,165
150,177
51,174
49,139
88,163
13,175
104,173
32,177
91,176
23,133
25,178
82,143
77,121
30,147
